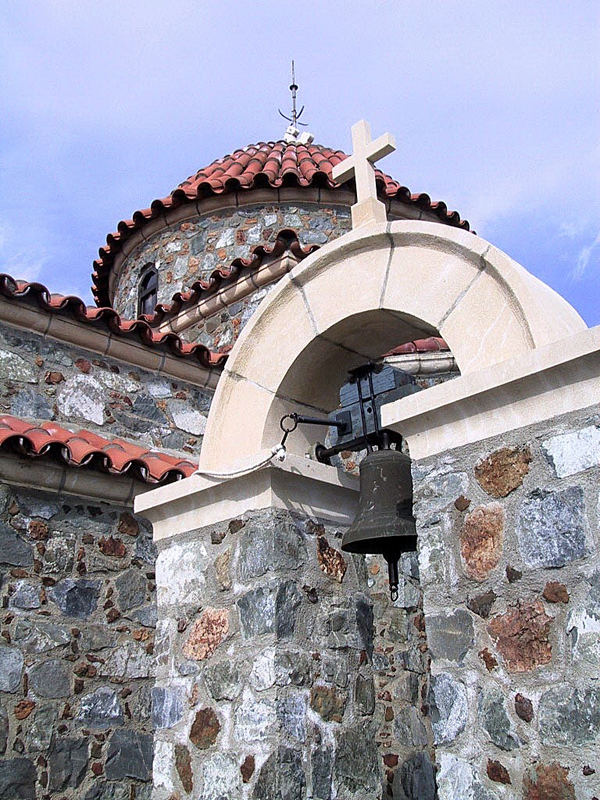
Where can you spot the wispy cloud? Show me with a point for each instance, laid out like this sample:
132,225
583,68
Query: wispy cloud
585,256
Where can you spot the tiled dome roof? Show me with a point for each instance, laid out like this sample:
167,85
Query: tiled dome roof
263,165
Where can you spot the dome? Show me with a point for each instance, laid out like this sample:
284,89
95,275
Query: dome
266,165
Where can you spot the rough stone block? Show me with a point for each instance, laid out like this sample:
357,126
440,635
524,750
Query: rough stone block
521,636
551,527
100,709
573,452
17,779
569,716
129,756
503,471
449,707
167,706
14,550
75,598
11,667
51,678
495,720
67,763
356,764
450,636
481,540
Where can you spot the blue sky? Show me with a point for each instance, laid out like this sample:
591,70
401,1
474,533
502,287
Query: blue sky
494,105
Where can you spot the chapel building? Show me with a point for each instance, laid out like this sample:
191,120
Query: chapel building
254,659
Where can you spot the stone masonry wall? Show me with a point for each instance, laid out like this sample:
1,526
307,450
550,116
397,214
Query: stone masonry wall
45,380
508,556
76,655
264,665
192,250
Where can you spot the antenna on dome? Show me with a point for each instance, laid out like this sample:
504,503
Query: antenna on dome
292,133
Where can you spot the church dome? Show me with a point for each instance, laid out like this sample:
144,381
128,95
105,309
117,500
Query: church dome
266,172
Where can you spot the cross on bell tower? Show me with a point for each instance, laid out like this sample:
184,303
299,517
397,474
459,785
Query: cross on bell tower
368,209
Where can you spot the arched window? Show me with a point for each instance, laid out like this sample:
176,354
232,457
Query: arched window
148,290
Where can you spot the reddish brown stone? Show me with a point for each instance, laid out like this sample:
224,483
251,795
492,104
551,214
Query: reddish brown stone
53,378
548,783
523,707
83,365
390,760
112,547
462,503
497,772
587,770
555,592
330,560
488,659
247,768
97,768
38,529
521,636
24,708
481,540
389,714
205,729
503,471
112,615
328,703
207,633
236,525
183,765
128,525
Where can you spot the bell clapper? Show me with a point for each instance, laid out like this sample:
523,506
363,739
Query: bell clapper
392,562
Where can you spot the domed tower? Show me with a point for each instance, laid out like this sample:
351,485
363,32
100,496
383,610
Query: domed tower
198,261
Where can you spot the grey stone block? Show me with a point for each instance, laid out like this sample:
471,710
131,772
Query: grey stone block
550,527
100,709
11,667
450,636
75,598
13,549
17,779
51,678
129,756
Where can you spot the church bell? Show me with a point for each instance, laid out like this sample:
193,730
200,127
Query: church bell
384,523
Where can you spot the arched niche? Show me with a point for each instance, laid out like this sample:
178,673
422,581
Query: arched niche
358,297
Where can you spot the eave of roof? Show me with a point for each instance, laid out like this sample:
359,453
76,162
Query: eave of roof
84,448
107,318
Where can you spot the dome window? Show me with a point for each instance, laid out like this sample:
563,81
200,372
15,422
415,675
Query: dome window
148,290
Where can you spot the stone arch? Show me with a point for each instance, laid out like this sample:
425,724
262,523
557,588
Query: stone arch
355,299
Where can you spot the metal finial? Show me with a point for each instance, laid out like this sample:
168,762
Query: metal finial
294,119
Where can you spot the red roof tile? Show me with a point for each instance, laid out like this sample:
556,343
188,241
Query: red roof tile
430,345
81,448
107,318
273,164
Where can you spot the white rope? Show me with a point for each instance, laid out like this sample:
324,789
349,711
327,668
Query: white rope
278,452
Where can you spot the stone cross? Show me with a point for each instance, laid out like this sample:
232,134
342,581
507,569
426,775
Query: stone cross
368,209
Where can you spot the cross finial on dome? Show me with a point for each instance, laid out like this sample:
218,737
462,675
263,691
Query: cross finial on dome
368,209
292,133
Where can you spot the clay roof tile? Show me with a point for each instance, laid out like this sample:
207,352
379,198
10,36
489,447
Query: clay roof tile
78,448
273,164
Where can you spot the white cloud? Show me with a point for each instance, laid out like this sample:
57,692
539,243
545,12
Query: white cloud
583,259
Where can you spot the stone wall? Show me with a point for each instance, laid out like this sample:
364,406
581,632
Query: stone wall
43,379
508,558
191,250
76,655
264,664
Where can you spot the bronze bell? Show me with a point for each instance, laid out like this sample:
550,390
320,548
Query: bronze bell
384,522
